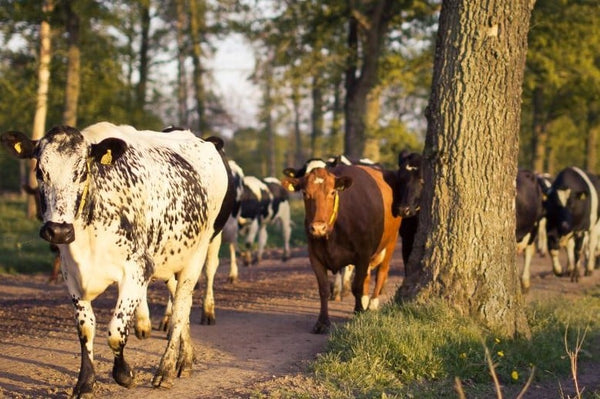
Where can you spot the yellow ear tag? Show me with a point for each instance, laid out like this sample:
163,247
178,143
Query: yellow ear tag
106,158
290,187
18,147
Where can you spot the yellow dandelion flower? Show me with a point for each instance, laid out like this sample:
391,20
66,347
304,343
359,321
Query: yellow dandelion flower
463,355
497,340
500,353
514,375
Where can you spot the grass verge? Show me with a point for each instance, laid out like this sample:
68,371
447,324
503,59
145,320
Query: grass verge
417,351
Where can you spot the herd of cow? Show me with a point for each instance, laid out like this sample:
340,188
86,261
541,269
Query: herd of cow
126,206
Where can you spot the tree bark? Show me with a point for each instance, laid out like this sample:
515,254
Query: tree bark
41,109
144,48
592,136
317,121
299,157
540,135
197,11
465,249
73,65
360,80
182,111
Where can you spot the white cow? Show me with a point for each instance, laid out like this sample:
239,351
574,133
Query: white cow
125,206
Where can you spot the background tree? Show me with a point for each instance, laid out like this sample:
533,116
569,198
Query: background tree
41,109
465,244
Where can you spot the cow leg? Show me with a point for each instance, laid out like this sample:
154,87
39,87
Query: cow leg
86,322
252,230
336,289
525,276
171,286
347,279
55,269
179,353
143,326
286,228
571,255
262,241
323,323
361,280
233,267
212,263
580,243
131,293
591,252
382,274
542,238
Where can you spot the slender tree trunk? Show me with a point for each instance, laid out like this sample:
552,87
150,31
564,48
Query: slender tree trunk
316,137
372,118
144,58
540,135
465,249
182,94
197,26
41,109
267,120
299,153
592,137
73,65
360,83
335,134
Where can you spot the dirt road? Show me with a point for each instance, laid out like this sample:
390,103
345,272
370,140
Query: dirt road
262,332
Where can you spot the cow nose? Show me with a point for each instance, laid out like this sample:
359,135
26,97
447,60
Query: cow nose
565,228
58,233
318,229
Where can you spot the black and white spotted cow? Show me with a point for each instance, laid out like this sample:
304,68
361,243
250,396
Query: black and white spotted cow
545,182
125,206
230,230
263,202
573,216
529,205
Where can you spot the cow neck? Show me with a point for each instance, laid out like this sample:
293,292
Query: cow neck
336,207
86,187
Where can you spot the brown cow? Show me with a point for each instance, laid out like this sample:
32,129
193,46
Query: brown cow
348,220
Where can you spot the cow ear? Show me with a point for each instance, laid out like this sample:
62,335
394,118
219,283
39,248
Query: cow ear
342,183
18,145
217,142
289,172
108,150
292,184
581,195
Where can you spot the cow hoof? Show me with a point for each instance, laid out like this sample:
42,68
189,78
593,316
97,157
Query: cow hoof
164,324
232,279
208,320
588,273
123,374
321,328
85,390
162,380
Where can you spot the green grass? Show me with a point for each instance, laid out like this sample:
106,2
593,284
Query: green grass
21,248
417,351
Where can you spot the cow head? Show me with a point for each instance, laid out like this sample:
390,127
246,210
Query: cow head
64,159
321,199
567,207
410,183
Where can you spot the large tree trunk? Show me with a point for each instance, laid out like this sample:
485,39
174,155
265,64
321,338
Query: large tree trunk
465,249
197,26
335,133
360,81
372,150
41,109
74,60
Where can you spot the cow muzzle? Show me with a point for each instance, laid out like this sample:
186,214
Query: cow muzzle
407,211
58,233
318,229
